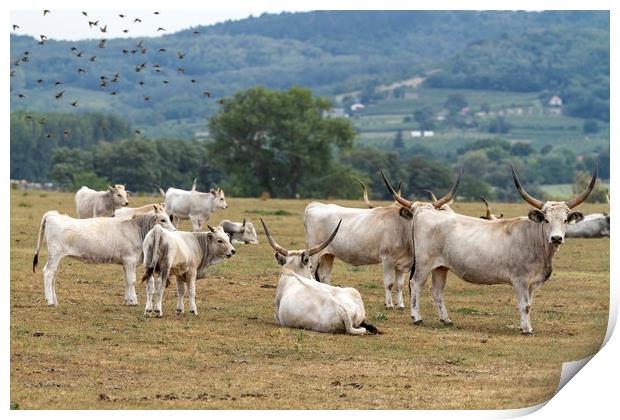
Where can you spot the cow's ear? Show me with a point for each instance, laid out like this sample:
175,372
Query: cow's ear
536,215
212,191
305,258
281,259
575,217
112,187
500,215
405,213
209,236
155,208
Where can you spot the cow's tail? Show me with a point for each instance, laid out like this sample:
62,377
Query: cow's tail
161,191
151,255
40,239
370,328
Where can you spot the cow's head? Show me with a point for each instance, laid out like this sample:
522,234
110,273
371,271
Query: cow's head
160,217
554,215
409,206
249,233
119,195
219,200
488,215
219,243
298,261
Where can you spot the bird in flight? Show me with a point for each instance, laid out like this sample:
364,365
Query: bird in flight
66,133
48,135
104,29
160,29
113,93
85,14
125,51
21,96
137,20
56,83
125,30
91,24
206,93
73,49
15,27
45,12
12,73
74,103
43,37
193,80
146,98
195,32
121,16
162,50
180,55
138,132
221,101
59,94
93,58
81,71
40,81
81,53
155,13
181,70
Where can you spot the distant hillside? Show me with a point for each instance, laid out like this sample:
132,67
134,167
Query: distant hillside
330,52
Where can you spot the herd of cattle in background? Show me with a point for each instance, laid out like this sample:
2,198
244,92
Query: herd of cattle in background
423,238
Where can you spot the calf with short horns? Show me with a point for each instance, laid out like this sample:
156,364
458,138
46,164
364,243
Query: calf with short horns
186,255
302,302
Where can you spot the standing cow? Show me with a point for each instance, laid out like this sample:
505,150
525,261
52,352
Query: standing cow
91,203
99,240
302,302
243,233
186,255
193,205
517,251
370,236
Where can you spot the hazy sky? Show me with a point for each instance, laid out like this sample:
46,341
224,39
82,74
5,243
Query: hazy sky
72,25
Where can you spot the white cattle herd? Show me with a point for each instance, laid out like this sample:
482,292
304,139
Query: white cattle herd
423,238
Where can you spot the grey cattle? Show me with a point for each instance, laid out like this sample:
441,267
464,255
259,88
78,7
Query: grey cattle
243,233
302,302
368,236
129,212
517,251
98,240
91,203
592,226
193,205
186,255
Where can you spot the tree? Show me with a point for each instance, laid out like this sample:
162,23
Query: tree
582,180
398,143
498,125
590,127
275,141
455,103
521,149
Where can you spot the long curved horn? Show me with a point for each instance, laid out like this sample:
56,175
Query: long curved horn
528,198
486,203
404,202
243,225
432,195
194,184
400,183
446,198
366,200
581,197
322,246
280,250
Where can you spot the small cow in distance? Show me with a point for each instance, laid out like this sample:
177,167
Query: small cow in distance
302,302
129,212
592,226
193,205
243,233
488,215
91,203
186,255
99,240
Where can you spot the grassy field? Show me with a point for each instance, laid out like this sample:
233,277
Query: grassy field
93,352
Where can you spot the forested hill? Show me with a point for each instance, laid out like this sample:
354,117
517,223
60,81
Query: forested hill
330,52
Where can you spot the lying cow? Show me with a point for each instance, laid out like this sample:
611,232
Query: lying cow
129,212
186,255
304,303
91,203
243,233
99,240
592,226
193,205
370,236
517,251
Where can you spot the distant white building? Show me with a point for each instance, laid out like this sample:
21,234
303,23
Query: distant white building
416,133
428,133
357,107
336,113
555,101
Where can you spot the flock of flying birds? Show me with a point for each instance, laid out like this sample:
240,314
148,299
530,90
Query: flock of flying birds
104,81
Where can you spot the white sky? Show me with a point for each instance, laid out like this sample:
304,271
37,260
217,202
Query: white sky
72,25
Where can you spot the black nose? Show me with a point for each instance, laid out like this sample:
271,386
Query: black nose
557,239
234,251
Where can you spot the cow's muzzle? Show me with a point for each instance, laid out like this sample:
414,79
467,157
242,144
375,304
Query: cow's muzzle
557,240
231,253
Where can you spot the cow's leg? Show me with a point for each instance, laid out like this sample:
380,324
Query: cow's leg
49,278
348,323
388,282
191,280
161,285
400,284
176,220
439,283
525,307
129,268
150,291
323,268
195,224
181,295
415,286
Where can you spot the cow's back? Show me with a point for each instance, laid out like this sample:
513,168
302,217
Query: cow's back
178,202
84,202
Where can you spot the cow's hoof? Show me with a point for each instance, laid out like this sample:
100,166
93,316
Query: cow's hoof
418,322
193,312
527,332
389,306
51,305
400,308
158,313
446,321
180,311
